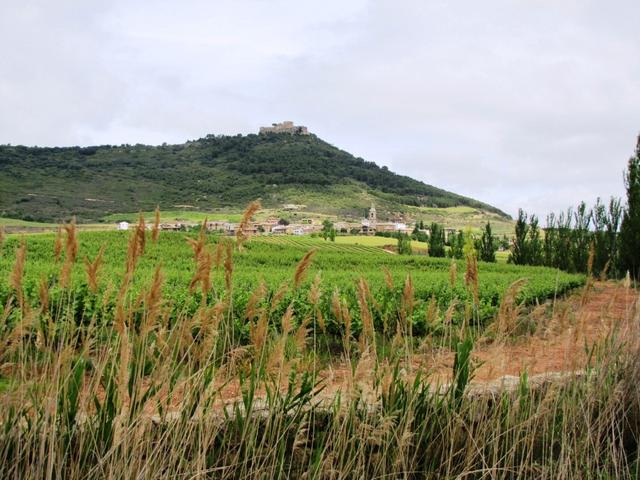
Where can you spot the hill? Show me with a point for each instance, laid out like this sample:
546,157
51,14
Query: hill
52,183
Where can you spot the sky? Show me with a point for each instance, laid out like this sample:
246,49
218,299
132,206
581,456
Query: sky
518,103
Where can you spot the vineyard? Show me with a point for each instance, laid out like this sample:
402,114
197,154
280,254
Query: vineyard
335,270
124,355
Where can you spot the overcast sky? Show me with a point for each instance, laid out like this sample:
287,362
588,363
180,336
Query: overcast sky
532,104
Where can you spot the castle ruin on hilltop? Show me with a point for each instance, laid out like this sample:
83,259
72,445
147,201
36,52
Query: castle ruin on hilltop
285,127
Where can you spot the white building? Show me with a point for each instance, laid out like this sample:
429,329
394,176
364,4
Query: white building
123,226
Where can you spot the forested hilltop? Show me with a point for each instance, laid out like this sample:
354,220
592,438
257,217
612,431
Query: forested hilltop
52,183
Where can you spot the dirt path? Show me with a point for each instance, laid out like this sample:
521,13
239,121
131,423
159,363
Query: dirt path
565,330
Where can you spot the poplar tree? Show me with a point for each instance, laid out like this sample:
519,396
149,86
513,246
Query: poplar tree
487,250
630,229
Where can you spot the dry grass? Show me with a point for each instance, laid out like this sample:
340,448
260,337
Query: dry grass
142,396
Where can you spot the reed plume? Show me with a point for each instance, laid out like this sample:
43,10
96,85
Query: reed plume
202,274
302,268
314,299
509,310
92,268
57,246
198,245
153,301
43,295
250,211
388,278
70,252
17,273
367,337
155,232
257,296
141,233
219,254
258,333
471,274
279,295
135,249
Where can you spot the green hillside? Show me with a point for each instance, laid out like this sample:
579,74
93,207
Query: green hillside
53,183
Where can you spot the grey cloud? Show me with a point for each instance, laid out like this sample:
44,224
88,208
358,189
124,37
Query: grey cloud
532,103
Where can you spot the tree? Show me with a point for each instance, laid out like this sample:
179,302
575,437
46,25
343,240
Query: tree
283,221
630,230
487,249
456,242
328,231
404,244
534,245
436,241
519,248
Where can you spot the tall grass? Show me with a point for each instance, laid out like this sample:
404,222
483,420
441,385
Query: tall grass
151,396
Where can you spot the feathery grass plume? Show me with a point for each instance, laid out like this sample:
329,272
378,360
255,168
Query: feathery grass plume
388,278
199,244
251,209
202,274
276,361
92,268
258,333
367,337
153,301
302,268
287,320
279,295
155,232
70,252
17,273
57,246
314,299
135,249
300,336
433,312
408,298
219,253
471,274
257,296
43,294
453,273
141,233
210,319
509,310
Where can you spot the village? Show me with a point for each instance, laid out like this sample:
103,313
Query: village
305,226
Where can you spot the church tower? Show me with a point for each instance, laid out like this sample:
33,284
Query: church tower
373,217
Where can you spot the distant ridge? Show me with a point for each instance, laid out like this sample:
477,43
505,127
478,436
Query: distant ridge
53,183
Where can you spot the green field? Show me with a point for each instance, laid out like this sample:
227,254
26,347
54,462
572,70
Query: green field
15,222
273,260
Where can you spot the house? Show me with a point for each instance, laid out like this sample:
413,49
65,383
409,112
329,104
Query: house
298,231
123,226
279,229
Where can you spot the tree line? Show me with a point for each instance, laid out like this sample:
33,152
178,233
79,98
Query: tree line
602,240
